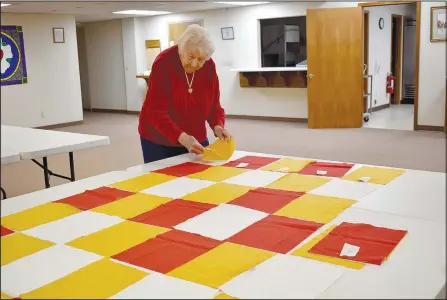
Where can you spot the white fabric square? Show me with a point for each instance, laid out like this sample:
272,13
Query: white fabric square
255,178
69,228
347,189
43,267
222,222
284,277
178,188
160,286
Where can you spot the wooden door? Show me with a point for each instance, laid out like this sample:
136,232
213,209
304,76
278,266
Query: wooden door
335,67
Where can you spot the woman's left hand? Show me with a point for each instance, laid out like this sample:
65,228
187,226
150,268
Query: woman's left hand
222,133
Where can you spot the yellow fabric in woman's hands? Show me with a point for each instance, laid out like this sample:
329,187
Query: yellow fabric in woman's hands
219,150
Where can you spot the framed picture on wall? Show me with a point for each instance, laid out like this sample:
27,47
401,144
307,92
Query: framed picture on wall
438,24
227,33
58,35
176,30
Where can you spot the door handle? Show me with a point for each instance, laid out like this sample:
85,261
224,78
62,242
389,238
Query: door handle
310,76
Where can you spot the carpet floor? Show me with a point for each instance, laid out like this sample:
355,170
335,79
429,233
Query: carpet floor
382,147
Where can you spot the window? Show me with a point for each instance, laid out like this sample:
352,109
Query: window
283,41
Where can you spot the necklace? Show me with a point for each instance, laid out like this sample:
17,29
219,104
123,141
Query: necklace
190,83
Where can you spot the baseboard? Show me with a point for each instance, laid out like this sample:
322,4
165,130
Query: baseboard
133,112
106,110
380,107
60,125
430,128
113,111
262,118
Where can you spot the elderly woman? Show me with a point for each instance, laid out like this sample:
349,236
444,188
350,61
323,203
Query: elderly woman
183,95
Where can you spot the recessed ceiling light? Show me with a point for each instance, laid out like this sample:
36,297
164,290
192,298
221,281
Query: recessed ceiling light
242,3
141,12
5,4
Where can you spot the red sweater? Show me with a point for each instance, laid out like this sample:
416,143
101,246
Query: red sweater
169,109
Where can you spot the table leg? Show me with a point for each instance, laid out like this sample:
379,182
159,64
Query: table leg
3,193
72,170
46,173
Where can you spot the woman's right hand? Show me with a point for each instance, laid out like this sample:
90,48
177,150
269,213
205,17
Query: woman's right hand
190,143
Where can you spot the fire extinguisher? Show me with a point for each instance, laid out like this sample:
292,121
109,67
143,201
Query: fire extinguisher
390,84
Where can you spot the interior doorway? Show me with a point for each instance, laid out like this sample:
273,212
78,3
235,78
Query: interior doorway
396,57
390,47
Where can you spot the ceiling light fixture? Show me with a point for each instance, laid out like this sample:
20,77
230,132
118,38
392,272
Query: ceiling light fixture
242,3
5,4
141,12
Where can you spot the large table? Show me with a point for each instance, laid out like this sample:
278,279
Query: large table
19,143
414,201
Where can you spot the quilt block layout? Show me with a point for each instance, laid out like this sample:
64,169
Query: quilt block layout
246,229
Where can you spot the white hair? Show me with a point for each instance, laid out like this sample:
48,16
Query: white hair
195,36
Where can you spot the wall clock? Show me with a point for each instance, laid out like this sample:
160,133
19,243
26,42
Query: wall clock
381,23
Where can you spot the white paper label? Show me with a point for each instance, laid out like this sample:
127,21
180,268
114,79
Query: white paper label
321,172
365,179
242,165
349,250
283,169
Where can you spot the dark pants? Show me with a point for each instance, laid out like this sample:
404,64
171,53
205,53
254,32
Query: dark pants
153,152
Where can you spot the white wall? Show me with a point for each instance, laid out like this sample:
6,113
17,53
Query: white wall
52,94
380,47
432,73
83,67
242,52
105,59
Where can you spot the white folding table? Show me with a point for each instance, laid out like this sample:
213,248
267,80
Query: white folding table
8,156
416,268
19,143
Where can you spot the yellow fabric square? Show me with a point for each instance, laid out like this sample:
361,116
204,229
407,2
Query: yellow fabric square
316,208
377,175
221,264
219,150
117,238
298,183
4,296
132,206
38,215
224,296
218,193
218,173
142,182
288,165
17,245
99,280
303,251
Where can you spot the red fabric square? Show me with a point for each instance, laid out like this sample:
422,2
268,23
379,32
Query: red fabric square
172,213
376,243
275,233
184,169
5,231
94,198
266,200
332,169
167,251
254,162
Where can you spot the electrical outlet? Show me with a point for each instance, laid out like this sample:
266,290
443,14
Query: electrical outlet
42,115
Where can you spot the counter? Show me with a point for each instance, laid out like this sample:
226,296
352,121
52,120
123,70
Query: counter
275,77
145,75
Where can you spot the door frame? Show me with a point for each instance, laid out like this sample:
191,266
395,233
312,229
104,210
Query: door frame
398,59
366,56
418,44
